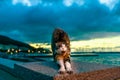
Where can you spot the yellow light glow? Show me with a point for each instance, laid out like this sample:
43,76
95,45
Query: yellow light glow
8,50
109,44
103,42
39,45
28,51
12,49
38,51
16,51
19,50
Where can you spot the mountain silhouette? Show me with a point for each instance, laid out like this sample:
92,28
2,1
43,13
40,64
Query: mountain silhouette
8,41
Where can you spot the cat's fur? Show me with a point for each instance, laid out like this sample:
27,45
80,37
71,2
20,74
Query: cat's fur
61,50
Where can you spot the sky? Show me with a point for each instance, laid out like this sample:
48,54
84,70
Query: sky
33,21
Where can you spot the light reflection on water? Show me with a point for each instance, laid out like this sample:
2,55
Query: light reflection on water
108,59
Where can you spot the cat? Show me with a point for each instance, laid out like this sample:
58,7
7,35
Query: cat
60,45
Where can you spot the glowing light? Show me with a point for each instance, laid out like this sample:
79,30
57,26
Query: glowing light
109,44
103,42
19,50
38,51
28,51
16,51
38,45
13,49
8,50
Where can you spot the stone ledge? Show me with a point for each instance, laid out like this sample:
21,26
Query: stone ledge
106,74
48,70
27,74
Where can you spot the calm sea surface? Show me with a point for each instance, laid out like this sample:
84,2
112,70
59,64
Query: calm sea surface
102,58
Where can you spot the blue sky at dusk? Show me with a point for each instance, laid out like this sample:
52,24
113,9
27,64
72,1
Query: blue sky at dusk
35,20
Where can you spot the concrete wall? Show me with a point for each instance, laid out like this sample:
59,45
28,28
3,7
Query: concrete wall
27,74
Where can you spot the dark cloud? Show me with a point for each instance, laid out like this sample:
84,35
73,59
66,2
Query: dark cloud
41,16
36,23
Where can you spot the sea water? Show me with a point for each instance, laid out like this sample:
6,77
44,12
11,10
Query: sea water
102,58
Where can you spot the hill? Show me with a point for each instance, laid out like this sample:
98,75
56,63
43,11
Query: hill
8,41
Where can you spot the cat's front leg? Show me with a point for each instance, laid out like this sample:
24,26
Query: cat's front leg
68,67
62,67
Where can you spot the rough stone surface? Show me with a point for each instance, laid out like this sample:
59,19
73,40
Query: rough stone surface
48,70
106,74
51,68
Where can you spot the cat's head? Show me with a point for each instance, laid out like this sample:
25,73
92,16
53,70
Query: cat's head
61,47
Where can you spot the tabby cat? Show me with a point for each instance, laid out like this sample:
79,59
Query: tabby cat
60,45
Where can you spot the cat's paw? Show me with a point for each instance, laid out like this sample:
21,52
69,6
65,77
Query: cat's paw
61,71
68,68
70,72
